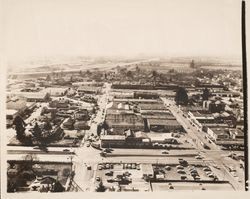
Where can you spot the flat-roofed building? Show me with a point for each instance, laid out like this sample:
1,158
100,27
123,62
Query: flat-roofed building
55,91
33,96
218,133
121,120
112,140
164,125
88,90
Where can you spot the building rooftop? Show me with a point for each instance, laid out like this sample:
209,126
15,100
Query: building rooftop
153,106
113,137
163,122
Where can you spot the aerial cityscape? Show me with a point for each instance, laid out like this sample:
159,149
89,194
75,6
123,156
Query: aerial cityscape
123,96
142,125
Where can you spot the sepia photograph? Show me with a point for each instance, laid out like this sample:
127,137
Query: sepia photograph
123,96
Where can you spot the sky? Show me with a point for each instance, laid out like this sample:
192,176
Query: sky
44,28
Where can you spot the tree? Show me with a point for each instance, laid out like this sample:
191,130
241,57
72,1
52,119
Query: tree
57,187
137,69
154,73
192,64
19,127
48,78
130,74
205,94
100,187
37,132
88,72
181,97
47,126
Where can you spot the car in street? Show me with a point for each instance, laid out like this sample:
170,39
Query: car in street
198,157
110,180
100,167
179,167
88,144
109,173
168,168
206,169
108,150
89,167
107,166
98,179
165,152
181,171
211,175
183,177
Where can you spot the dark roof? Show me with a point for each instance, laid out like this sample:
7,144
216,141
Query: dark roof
163,122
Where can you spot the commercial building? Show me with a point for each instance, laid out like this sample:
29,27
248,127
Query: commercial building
120,120
164,125
88,90
33,97
55,91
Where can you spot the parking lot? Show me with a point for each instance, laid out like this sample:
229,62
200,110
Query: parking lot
191,186
128,176
184,173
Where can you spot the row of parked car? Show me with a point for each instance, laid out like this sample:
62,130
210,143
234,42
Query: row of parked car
105,166
131,166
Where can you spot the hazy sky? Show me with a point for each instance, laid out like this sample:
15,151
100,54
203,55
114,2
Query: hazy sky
115,27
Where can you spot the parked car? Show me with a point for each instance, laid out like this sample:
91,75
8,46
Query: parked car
198,157
109,173
88,167
100,167
88,144
168,168
110,180
206,169
98,179
179,167
165,152
107,166
181,172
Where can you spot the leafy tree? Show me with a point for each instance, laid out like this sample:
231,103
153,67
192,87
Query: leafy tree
48,78
105,125
192,64
137,69
154,73
57,187
130,74
37,132
100,187
181,97
19,127
47,126
205,94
